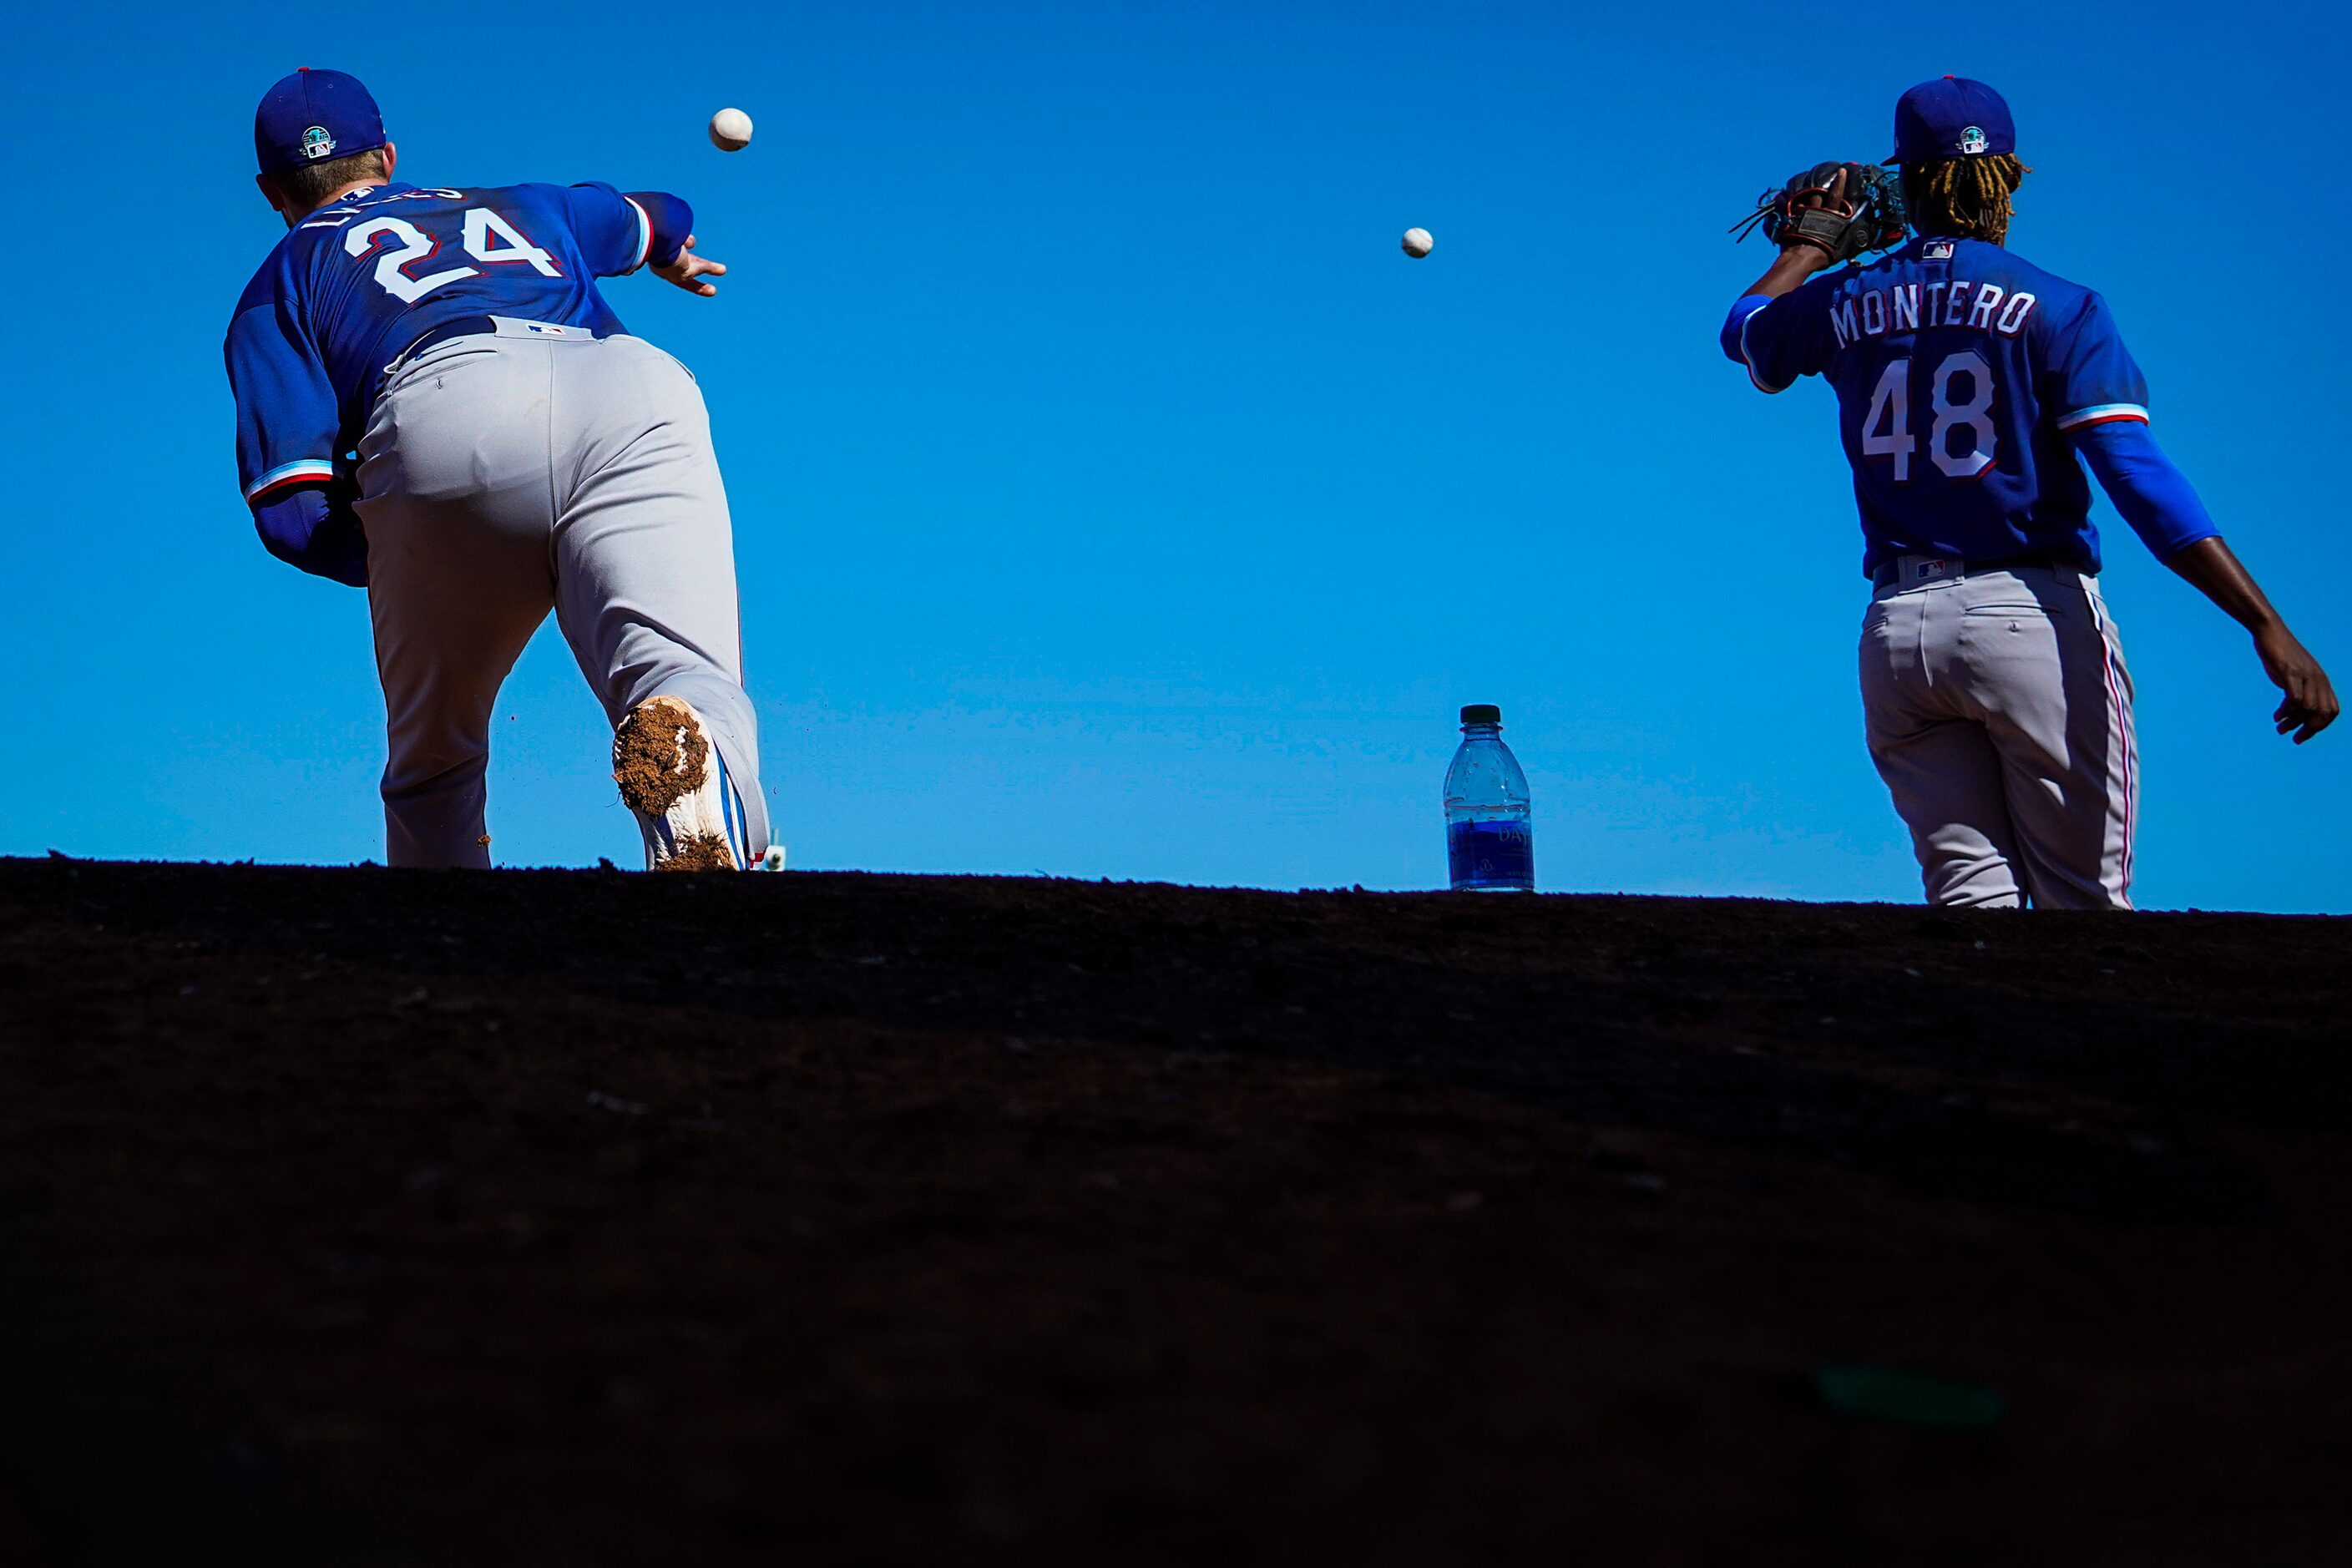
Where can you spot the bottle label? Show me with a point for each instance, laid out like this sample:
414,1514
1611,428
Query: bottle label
1491,855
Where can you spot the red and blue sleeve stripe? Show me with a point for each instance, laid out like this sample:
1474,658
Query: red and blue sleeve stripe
301,471
669,221
2102,414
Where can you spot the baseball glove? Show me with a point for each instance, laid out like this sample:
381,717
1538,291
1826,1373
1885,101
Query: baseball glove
1801,212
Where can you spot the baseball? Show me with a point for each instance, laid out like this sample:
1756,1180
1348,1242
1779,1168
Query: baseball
730,130
1417,242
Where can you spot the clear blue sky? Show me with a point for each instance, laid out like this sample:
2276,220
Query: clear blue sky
1112,498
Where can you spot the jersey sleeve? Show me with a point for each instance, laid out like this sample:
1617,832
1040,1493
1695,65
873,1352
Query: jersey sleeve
2153,495
612,231
286,416
2087,376
619,233
316,529
286,425
1780,340
673,224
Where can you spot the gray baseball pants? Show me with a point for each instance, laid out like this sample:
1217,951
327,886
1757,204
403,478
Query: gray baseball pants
503,475
1999,713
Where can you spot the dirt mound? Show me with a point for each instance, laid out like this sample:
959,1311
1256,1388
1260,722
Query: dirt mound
593,1218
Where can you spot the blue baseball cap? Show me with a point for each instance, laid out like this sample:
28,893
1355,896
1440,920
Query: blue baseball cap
1951,118
312,116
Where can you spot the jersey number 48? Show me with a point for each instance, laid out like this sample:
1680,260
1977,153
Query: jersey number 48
488,238
1890,407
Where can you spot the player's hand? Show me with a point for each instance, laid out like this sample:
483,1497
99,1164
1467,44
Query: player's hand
2310,705
690,271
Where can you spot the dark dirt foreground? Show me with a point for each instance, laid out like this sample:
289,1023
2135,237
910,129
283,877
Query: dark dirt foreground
518,1218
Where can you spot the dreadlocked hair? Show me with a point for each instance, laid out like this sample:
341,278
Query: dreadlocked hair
1967,198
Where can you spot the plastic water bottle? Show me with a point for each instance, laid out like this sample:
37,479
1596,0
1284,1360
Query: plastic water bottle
1490,844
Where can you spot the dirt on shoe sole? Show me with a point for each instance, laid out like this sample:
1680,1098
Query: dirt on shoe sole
700,852
659,755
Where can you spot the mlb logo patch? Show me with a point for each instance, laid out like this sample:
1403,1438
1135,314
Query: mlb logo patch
316,143
1936,251
1973,140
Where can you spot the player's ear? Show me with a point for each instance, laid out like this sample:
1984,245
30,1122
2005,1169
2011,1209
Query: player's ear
269,193
391,159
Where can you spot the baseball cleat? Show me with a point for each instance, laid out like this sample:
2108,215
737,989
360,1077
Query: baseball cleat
675,781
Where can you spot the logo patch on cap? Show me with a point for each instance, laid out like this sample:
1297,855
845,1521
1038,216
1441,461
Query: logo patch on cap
316,143
1973,140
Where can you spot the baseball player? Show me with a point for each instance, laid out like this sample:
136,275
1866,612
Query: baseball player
1972,386
434,403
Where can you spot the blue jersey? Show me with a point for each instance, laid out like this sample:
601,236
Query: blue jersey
355,283
1964,374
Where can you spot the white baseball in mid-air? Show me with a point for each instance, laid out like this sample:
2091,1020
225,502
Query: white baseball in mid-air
1417,242
730,130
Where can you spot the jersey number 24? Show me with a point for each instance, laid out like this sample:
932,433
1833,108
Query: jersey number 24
489,238
1890,406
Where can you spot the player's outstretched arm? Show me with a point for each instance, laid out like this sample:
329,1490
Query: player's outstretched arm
620,231
691,271
2158,500
2215,570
